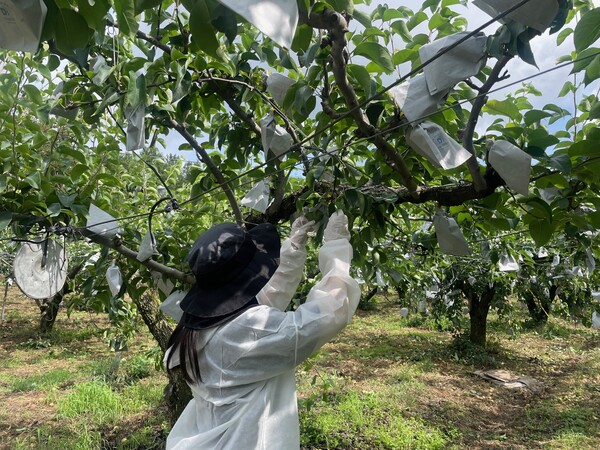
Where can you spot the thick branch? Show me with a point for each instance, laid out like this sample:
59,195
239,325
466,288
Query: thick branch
337,27
472,164
211,166
449,195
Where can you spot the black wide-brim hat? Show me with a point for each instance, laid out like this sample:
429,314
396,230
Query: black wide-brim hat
231,266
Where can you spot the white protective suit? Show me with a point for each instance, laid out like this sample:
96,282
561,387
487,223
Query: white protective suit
247,397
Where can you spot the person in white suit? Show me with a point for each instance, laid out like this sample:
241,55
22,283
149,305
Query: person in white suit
237,346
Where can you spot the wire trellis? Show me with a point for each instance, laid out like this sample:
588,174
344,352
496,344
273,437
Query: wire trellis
174,205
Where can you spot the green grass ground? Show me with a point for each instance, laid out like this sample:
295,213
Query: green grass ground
384,383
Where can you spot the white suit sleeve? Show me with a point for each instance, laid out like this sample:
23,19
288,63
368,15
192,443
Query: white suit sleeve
281,340
281,287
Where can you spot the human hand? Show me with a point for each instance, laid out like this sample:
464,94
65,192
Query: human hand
300,229
337,227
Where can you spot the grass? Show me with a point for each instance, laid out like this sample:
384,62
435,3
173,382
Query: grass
384,383
353,420
41,381
96,402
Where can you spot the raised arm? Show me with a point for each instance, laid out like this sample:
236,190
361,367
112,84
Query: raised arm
280,289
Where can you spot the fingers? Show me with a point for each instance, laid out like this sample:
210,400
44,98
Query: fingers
337,227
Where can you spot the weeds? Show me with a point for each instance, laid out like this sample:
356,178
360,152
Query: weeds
42,381
353,420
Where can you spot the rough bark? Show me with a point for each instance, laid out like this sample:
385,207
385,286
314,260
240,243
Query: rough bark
536,313
49,311
177,393
478,311
447,195
49,307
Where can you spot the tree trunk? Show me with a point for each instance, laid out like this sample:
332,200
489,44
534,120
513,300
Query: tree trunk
478,312
575,303
366,299
49,307
177,392
49,310
537,312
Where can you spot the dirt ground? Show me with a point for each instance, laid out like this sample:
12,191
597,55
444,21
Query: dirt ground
377,350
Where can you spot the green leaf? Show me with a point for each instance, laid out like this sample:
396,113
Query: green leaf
592,71
66,200
585,147
401,29
416,19
53,62
563,35
342,5
70,31
437,21
362,18
360,74
128,24
302,38
535,115
583,59
503,107
595,110
141,5
541,139
136,90
538,209
95,13
225,22
183,81
541,231
73,153
356,201
204,34
524,51
5,219
54,209
34,94
374,111
77,171
587,30
376,53
561,162
404,55
34,180
567,87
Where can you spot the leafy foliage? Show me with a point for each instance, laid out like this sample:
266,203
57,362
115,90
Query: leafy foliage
106,70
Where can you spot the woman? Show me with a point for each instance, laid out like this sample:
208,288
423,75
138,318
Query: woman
236,345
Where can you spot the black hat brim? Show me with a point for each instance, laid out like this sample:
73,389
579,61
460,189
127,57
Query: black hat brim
213,302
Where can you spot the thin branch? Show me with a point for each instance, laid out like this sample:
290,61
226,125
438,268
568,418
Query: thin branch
206,159
117,245
325,95
337,27
481,99
288,124
239,111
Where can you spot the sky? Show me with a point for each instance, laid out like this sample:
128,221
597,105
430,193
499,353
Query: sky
544,48
546,53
